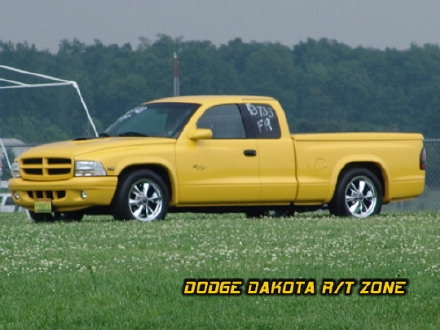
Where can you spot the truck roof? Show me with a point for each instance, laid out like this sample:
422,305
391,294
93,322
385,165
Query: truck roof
215,98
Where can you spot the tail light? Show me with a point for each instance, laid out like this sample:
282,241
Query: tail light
423,159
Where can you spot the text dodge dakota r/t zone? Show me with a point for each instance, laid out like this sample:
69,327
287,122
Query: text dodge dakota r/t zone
216,153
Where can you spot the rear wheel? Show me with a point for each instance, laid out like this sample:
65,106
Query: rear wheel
358,194
142,195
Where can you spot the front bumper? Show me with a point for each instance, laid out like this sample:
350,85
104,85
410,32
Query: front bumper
65,195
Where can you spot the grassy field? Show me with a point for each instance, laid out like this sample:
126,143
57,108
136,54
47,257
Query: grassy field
104,274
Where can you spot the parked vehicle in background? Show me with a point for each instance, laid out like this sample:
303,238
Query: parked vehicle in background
7,203
216,153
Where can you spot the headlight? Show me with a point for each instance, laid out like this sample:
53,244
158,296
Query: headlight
16,170
89,168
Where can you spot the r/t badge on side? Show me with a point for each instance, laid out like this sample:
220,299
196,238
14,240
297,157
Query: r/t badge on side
199,167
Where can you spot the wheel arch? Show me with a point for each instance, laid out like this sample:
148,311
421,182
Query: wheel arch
159,169
376,168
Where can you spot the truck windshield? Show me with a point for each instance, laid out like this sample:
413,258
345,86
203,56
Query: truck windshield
154,119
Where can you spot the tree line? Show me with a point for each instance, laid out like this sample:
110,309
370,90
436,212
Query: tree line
324,85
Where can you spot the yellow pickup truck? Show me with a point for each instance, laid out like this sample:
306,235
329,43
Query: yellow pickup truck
219,154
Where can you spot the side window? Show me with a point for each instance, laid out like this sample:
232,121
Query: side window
261,120
225,122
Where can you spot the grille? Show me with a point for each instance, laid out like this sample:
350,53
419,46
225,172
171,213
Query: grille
34,171
52,194
53,168
32,161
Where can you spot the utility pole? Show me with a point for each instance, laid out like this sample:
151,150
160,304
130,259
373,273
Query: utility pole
176,75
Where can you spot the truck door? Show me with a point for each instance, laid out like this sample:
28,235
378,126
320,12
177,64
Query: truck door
276,153
221,170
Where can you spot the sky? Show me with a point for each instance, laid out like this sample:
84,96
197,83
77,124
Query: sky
369,23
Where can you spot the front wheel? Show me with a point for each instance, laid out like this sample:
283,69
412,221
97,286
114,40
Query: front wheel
358,194
142,195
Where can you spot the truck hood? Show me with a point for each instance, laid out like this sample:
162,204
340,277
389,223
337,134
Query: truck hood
79,147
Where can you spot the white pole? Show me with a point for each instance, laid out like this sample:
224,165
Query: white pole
75,85
31,73
6,155
36,85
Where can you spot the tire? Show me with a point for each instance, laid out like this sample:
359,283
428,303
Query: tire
141,195
358,194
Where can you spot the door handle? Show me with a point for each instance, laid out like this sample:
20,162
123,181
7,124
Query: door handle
250,152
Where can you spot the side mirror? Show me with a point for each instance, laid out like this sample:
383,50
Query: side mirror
201,134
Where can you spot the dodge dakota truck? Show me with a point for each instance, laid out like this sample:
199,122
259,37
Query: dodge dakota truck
219,154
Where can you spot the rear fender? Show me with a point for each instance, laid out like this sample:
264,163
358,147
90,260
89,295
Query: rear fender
373,163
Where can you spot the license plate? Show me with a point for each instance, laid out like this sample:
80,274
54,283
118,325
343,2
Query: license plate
43,205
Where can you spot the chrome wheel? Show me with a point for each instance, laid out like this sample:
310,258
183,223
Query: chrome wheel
361,197
145,200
